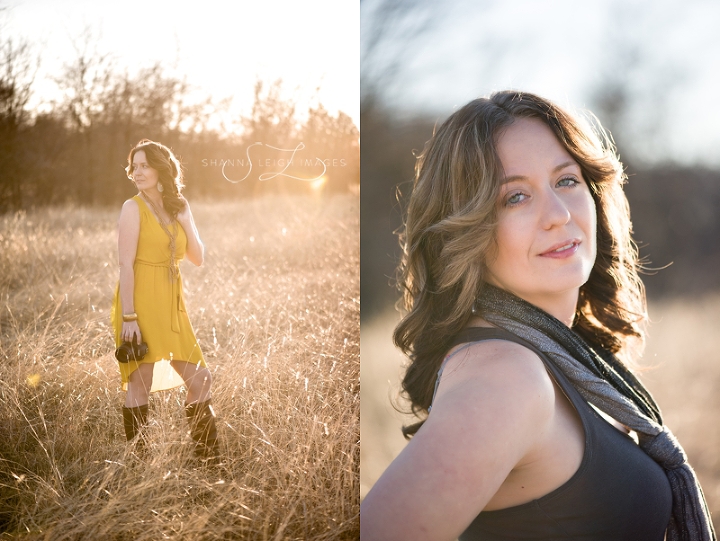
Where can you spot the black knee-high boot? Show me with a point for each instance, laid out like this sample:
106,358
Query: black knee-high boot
201,418
134,420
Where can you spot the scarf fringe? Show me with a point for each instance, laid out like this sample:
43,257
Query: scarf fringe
690,513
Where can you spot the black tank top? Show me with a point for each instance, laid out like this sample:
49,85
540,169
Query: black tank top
618,493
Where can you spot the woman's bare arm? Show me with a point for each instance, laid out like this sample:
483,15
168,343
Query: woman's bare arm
128,235
195,249
492,407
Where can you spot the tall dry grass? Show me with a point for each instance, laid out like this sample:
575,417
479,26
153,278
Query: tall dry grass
276,310
681,367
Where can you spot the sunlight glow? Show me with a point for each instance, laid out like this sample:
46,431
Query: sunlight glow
317,184
220,48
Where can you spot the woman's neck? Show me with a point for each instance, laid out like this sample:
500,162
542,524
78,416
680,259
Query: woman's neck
154,196
562,306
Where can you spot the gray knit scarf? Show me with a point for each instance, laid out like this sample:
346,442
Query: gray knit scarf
605,382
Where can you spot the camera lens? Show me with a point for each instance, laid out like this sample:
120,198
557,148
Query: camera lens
131,352
124,353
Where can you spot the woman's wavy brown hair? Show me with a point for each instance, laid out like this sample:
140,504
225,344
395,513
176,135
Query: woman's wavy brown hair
170,175
449,235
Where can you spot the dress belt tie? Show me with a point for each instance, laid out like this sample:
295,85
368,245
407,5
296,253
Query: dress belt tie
175,295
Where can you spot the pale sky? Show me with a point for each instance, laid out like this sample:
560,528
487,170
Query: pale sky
222,47
666,52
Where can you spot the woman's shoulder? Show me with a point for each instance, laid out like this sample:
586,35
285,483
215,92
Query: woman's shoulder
132,204
492,372
508,360
493,408
133,207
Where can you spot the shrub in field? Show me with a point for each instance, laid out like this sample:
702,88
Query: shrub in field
276,310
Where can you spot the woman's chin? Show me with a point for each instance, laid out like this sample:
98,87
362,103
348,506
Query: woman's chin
546,285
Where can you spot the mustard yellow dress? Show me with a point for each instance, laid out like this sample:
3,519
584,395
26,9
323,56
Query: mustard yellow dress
159,305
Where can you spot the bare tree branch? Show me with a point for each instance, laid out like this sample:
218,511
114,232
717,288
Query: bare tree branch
389,29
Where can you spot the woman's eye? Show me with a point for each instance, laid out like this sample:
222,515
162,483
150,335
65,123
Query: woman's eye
515,198
568,181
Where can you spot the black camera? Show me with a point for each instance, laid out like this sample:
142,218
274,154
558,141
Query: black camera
131,351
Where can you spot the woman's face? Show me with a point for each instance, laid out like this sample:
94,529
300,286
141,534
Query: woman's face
546,230
144,176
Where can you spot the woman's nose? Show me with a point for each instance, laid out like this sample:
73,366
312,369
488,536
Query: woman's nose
555,211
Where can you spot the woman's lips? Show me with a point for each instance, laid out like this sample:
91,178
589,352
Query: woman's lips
562,250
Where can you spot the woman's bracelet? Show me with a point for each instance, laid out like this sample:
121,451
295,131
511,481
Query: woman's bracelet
130,317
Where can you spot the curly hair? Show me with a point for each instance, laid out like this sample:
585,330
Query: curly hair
449,235
170,175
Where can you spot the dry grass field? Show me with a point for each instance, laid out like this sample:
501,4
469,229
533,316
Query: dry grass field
681,366
276,310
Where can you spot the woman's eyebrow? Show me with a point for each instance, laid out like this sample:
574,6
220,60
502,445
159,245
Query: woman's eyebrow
555,169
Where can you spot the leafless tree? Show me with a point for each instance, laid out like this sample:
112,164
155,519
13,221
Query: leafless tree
336,140
76,150
633,84
388,30
18,66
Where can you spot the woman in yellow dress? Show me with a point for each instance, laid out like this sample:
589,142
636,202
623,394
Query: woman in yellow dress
155,231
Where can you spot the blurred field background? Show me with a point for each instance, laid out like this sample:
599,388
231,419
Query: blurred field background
76,93
276,310
641,68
